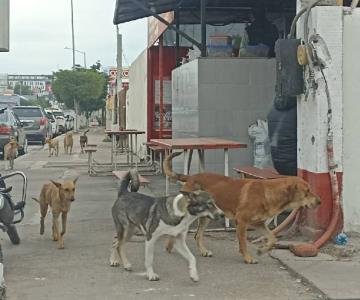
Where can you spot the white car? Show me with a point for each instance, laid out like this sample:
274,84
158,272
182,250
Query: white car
53,122
60,119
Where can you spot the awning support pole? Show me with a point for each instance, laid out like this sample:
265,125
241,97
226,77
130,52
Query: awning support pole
172,27
203,27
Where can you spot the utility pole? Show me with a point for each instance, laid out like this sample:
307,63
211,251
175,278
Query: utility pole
73,52
118,77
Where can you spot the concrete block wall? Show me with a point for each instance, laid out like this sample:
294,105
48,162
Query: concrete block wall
136,100
221,97
351,111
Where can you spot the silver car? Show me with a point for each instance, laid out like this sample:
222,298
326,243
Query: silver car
36,125
11,126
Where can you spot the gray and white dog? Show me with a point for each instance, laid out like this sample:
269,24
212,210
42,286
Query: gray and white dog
156,217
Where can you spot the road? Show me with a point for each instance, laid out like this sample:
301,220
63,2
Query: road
36,269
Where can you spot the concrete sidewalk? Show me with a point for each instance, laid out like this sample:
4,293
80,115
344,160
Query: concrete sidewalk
37,270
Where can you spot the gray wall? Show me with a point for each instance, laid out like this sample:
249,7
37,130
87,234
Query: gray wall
221,97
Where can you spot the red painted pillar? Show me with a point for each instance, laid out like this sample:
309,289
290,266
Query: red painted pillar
161,86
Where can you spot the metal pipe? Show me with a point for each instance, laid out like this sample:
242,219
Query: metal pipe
177,38
203,27
170,26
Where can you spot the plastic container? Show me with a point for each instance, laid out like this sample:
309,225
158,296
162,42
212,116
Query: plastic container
220,40
219,50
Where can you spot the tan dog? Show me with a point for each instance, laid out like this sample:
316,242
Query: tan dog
59,197
68,142
53,146
248,201
10,152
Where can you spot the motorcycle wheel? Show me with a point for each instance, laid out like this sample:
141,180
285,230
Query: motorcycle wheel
13,234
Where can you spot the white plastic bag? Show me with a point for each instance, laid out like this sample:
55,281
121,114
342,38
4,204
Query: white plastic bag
258,132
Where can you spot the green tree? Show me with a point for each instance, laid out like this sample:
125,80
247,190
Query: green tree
86,86
20,89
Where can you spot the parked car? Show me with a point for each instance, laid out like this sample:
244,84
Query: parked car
60,118
69,122
36,124
11,126
53,123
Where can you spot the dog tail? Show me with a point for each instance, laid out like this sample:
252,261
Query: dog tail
131,179
168,168
36,200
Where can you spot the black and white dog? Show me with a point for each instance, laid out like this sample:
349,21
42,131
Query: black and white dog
156,217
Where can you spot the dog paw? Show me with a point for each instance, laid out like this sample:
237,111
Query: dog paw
114,263
128,267
206,253
153,276
194,276
250,260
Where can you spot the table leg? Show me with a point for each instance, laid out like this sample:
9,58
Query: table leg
189,161
131,149
186,162
226,172
113,142
136,157
167,180
201,153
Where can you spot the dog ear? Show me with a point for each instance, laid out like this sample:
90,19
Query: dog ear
76,179
57,184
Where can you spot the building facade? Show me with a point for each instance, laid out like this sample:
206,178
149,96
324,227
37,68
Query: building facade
39,84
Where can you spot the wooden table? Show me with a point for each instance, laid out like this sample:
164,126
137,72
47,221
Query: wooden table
127,133
201,144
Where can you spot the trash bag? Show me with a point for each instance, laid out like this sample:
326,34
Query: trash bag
282,125
258,132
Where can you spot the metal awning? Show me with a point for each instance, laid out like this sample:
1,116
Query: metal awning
217,11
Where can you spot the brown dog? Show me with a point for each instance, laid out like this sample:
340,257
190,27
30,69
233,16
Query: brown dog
53,146
83,140
68,142
248,201
10,152
59,197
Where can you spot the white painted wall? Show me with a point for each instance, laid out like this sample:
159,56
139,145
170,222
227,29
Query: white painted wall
312,114
351,157
136,100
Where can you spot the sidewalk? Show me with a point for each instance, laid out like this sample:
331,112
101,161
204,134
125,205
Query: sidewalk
334,274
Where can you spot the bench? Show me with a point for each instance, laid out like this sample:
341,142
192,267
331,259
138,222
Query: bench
254,172
120,174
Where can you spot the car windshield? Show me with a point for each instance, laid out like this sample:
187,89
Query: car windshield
58,113
22,112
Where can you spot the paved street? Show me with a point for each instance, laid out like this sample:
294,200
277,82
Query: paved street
36,269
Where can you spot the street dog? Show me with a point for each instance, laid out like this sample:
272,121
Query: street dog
248,201
53,146
10,152
83,140
59,197
156,217
68,142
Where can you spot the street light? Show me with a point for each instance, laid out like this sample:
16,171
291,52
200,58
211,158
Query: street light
82,52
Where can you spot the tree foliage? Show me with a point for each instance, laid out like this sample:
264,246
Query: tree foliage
86,86
22,89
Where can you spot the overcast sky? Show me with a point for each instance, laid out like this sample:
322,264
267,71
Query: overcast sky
40,29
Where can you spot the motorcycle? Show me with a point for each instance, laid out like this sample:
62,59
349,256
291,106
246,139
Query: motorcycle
10,214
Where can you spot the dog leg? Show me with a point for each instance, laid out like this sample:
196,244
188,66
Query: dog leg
63,230
55,228
199,237
184,251
11,163
43,212
271,240
149,259
241,232
114,253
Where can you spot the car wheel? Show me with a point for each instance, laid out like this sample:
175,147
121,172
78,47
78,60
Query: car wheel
24,148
